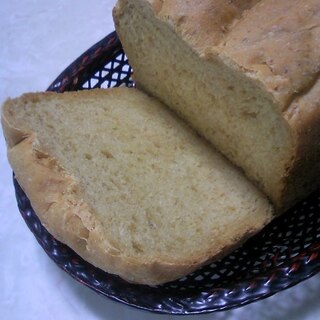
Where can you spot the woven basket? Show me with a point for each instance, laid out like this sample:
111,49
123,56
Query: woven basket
282,255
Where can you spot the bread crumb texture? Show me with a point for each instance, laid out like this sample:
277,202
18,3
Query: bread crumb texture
127,184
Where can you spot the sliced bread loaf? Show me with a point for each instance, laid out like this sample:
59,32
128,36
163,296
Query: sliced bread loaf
132,189
244,74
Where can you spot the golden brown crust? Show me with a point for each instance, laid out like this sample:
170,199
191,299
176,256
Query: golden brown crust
304,120
230,29
282,52
205,24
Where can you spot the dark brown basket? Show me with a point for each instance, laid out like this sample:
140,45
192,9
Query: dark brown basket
282,255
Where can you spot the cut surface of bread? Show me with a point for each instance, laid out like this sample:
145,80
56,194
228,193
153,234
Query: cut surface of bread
243,73
124,182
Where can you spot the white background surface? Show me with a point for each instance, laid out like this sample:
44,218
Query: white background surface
38,39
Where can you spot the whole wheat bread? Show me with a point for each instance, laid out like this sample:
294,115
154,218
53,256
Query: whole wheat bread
126,184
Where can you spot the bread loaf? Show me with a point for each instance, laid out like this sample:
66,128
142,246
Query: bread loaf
120,179
244,74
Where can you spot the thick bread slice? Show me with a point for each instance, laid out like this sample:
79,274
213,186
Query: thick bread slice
120,179
244,74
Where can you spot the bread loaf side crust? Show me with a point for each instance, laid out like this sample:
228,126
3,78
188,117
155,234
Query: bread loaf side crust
303,117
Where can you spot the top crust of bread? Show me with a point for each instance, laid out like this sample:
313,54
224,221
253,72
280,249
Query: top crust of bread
62,199
248,34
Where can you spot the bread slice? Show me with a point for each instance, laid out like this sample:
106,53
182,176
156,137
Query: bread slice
243,73
132,189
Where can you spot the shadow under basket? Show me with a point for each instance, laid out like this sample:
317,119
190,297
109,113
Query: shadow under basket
285,253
